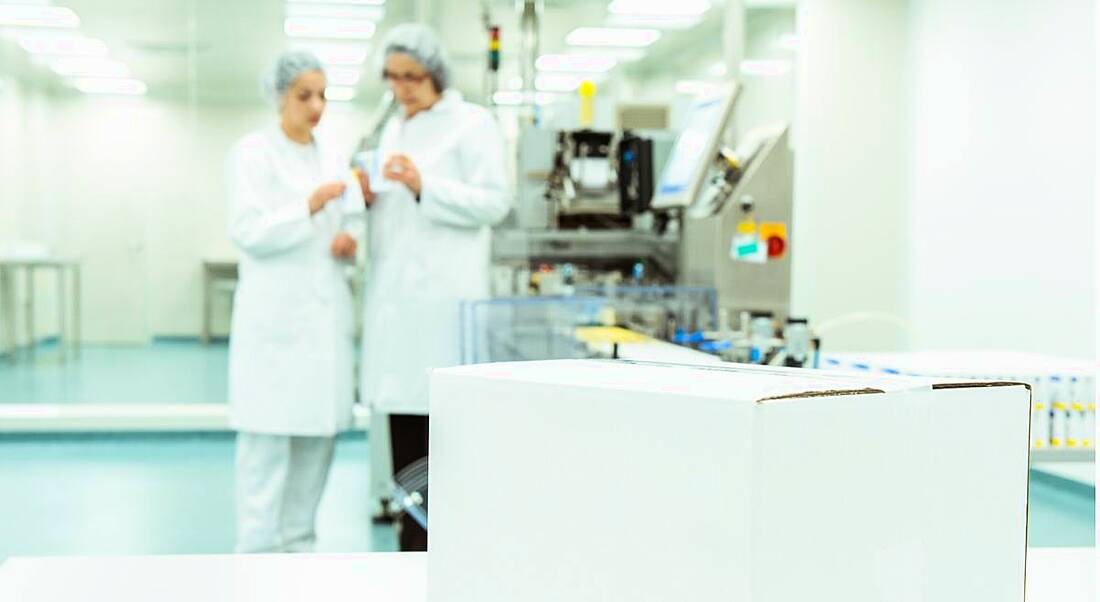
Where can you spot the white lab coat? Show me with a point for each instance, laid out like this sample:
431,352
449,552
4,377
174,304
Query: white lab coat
428,256
291,342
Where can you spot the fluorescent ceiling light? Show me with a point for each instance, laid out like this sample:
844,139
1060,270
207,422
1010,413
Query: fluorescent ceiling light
765,67
61,44
339,93
89,67
612,36
562,82
344,2
511,98
659,8
31,15
622,55
342,76
101,85
336,11
653,22
337,54
313,27
695,87
575,63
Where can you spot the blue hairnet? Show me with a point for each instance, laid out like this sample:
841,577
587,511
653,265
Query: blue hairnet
423,45
287,68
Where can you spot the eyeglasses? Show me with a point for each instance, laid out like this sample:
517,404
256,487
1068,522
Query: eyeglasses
407,78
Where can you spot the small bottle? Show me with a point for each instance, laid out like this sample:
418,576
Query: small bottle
1040,415
1090,425
1075,425
724,328
796,335
568,274
1058,418
1058,425
761,333
1088,398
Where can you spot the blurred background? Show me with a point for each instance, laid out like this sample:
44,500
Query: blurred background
934,161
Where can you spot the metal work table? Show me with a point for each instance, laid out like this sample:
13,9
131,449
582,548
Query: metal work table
68,309
215,273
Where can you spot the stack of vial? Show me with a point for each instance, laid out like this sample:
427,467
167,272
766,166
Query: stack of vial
1063,390
1063,411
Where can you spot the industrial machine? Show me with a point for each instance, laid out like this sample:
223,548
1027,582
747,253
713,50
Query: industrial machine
606,208
583,201
737,207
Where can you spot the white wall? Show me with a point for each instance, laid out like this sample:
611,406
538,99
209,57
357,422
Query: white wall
945,173
1004,159
849,243
134,187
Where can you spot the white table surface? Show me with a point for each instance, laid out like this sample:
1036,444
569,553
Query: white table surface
1054,575
379,577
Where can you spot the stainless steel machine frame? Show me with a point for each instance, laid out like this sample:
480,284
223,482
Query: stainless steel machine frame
704,258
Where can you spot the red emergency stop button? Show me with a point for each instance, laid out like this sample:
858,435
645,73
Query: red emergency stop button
776,247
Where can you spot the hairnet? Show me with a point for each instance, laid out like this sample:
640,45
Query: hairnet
422,44
287,68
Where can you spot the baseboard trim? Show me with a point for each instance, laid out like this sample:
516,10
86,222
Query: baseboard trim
127,418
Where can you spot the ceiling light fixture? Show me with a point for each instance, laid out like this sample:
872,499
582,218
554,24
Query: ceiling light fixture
512,98
89,67
61,44
313,27
100,85
562,82
576,63
765,67
659,8
612,36
32,15
339,93
344,55
342,76
336,11
342,2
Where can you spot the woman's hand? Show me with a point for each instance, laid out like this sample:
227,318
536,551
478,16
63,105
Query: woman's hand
344,246
324,194
401,169
364,183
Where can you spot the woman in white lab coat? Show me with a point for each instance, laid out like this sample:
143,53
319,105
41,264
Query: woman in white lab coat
444,184
291,342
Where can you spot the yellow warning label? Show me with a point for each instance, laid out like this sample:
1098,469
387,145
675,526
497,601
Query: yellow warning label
770,229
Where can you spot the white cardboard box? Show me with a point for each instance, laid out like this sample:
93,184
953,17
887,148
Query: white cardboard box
582,480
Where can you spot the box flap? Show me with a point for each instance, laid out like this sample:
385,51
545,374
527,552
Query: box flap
974,384
741,382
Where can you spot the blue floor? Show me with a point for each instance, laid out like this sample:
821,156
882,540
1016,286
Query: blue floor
165,371
173,494
155,494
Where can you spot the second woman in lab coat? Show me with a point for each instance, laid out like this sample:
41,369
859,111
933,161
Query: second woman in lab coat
428,236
